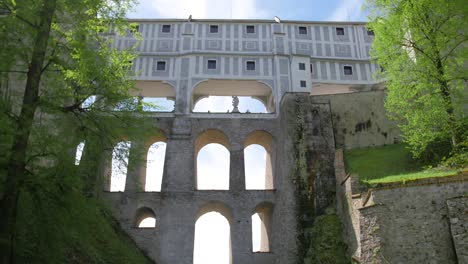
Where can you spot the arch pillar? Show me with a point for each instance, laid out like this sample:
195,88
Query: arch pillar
237,171
135,181
179,165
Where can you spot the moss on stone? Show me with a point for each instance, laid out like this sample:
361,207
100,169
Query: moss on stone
326,244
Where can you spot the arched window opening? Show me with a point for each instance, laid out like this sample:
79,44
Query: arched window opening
155,166
225,104
120,155
212,243
145,218
157,104
89,102
79,153
258,161
233,96
213,167
155,96
261,228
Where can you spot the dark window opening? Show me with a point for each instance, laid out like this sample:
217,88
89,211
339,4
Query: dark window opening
302,66
166,28
211,64
250,29
340,31
370,32
161,66
348,70
303,30
213,28
311,68
251,65
303,84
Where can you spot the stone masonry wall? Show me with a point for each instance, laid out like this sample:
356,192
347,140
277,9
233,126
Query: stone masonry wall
360,120
458,213
177,205
421,221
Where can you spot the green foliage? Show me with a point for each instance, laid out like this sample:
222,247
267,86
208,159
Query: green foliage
327,246
422,45
59,217
57,224
392,163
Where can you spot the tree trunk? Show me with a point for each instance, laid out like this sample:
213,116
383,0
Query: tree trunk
445,92
16,167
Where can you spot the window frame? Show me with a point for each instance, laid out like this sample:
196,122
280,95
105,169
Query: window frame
347,70
370,33
166,26
311,68
303,83
302,66
303,30
163,62
247,29
212,27
251,62
339,31
211,61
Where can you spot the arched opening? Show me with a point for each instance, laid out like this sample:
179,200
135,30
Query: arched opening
212,242
155,166
120,155
261,222
224,104
155,96
212,161
79,153
234,96
145,218
258,161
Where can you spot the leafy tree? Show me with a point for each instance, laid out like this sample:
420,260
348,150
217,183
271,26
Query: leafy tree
422,48
54,55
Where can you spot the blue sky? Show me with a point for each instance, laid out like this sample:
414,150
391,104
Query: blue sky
314,10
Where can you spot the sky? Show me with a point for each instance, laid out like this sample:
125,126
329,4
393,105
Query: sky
314,10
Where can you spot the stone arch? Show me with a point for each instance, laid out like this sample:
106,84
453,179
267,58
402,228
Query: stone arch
261,227
218,140
265,140
117,167
256,89
142,214
149,91
159,137
225,214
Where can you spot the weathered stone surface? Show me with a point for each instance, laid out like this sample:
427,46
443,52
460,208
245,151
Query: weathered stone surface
178,204
458,215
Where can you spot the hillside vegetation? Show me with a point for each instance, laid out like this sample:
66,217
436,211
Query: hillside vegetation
392,163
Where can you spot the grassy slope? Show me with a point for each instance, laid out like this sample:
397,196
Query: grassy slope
390,163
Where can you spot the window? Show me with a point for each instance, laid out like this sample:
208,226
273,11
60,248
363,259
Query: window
250,29
340,31
370,33
213,28
211,64
303,84
166,28
302,66
311,68
303,30
161,66
348,70
251,65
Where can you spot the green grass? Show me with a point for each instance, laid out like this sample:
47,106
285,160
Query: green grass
392,163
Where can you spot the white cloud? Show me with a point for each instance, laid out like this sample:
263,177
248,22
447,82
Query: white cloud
347,10
222,9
